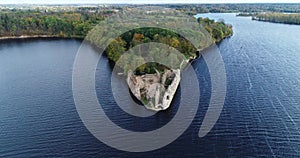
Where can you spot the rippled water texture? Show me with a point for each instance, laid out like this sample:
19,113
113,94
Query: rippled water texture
261,115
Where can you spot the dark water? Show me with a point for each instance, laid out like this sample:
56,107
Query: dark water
261,115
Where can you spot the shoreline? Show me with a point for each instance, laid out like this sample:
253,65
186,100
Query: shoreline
37,36
268,21
199,52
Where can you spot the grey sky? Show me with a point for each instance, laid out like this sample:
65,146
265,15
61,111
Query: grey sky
141,1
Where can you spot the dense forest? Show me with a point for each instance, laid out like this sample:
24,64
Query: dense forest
75,24
61,24
278,18
234,8
78,24
217,31
132,38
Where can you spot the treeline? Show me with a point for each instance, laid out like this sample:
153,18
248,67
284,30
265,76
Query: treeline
233,8
132,38
61,24
278,18
139,36
78,24
246,14
218,30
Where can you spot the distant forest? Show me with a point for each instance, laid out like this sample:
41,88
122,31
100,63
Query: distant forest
70,24
278,18
78,24
234,8
61,24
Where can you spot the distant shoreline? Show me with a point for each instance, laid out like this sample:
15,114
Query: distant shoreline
37,36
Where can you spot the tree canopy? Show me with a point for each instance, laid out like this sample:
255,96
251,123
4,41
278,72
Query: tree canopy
135,37
62,24
78,24
278,18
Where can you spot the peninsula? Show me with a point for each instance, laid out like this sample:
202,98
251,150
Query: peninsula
151,83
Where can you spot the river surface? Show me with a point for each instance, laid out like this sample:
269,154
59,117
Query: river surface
261,114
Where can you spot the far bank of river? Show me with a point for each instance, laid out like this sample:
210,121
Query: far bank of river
37,36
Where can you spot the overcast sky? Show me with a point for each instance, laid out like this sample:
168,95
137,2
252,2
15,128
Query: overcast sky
141,1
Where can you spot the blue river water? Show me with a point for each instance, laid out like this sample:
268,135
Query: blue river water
261,114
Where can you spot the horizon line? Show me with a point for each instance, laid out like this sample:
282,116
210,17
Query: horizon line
148,3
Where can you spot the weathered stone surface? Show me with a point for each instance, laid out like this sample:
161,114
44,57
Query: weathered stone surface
155,91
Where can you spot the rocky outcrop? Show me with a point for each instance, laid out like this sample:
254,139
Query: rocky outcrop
155,91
